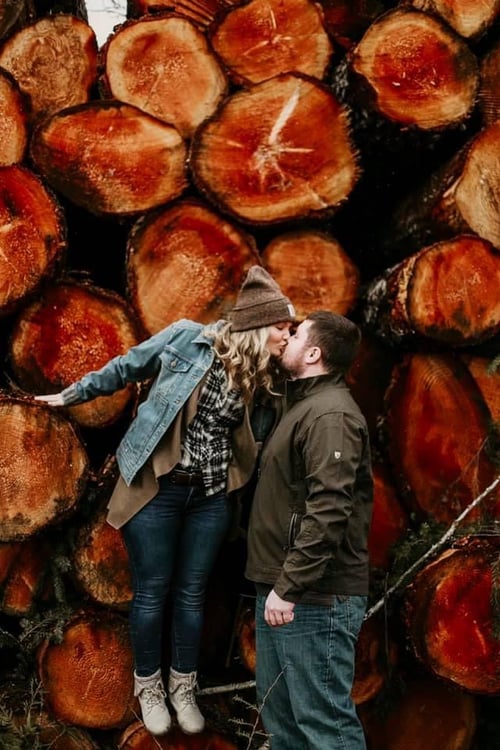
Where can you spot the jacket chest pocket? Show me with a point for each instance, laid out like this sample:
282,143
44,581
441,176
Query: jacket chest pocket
172,367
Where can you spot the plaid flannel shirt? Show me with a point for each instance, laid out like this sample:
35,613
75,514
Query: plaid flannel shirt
207,444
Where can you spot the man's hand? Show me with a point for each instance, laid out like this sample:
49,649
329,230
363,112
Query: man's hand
277,611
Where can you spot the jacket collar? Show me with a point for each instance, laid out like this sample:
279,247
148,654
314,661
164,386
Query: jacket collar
295,390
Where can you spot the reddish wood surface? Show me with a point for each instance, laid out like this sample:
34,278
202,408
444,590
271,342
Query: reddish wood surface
201,12
469,18
450,615
376,656
437,426
54,61
94,664
263,38
26,578
110,158
165,67
186,261
447,292
136,737
489,94
419,71
331,282
68,331
390,520
426,714
259,159
346,20
32,235
13,121
44,471
101,564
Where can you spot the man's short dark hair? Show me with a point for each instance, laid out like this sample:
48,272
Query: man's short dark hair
336,336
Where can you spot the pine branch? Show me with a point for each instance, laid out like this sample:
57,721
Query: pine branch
432,550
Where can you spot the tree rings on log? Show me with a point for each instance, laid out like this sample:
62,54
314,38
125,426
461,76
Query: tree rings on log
166,68
331,282
451,615
70,330
186,261
263,38
438,425
418,70
111,158
13,121
100,563
279,150
44,468
94,663
447,292
32,235
54,62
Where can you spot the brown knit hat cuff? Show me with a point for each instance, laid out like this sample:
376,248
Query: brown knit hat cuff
262,314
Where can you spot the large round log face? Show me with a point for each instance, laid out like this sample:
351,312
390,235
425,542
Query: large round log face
111,158
259,159
35,440
451,615
165,67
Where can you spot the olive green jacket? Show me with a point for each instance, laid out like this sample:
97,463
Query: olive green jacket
311,512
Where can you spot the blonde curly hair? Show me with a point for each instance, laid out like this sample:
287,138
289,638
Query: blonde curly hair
245,358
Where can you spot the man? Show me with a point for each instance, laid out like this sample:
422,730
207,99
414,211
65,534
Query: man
307,545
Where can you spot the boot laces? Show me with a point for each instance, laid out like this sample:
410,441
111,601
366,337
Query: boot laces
154,695
187,690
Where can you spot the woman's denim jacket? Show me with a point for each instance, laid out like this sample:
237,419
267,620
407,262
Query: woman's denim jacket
177,358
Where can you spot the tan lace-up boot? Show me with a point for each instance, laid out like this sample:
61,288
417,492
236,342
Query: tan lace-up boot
151,694
181,692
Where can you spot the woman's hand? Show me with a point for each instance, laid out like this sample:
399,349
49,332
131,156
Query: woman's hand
52,399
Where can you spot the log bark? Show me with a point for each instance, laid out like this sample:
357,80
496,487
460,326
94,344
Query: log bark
94,664
13,121
186,261
460,197
165,67
70,330
9,552
416,70
259,160
110,158
449,613
33,493
347,20
447,292
13,14
437,427
487,378
426,714
469,19
332,282
201,12
261,39
54,62
32,235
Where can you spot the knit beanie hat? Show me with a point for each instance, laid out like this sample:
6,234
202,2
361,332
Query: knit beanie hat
260,302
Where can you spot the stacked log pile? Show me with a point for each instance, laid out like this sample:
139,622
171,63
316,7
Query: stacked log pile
352,148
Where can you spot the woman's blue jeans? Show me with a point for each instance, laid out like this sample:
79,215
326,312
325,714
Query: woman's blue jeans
172,545
305,671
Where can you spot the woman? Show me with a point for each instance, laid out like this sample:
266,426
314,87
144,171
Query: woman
188,447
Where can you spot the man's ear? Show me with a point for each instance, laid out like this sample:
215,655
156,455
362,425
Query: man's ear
313,355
